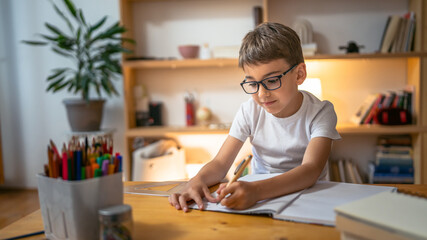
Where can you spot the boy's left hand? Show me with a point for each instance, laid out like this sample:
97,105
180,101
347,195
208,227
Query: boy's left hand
241,195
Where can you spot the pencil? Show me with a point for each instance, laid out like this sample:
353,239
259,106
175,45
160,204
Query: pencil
26,235
239,170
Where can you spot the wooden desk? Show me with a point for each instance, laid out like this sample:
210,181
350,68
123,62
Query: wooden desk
154,218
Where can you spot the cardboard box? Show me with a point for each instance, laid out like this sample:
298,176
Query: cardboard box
70,208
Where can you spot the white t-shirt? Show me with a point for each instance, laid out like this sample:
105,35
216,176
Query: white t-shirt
278,144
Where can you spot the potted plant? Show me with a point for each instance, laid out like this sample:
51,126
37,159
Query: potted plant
96,58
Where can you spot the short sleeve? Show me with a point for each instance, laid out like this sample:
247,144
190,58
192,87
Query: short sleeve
240,127
325,122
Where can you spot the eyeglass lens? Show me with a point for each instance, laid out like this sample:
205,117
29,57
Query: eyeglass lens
269,84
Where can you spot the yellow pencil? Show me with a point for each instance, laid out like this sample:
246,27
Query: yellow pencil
239,170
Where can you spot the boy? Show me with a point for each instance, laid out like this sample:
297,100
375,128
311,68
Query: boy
291,131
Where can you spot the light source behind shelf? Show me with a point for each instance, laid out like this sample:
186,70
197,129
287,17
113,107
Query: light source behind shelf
313,86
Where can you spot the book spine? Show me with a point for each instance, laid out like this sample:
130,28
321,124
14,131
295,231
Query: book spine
393,178
377,105
394,169
394,162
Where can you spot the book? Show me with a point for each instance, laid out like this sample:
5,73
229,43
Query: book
400,35
363,231
357,173
341,169
312,205
364,109
393,160
391,33
409,31
395,149
351,176
386,215
391,140
334,172
393,177
384,33
388,99
384,168
374,109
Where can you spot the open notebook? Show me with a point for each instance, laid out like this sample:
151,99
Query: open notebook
313,205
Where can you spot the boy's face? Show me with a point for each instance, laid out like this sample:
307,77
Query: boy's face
284,101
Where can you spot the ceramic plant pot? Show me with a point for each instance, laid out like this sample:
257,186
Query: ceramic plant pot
84,116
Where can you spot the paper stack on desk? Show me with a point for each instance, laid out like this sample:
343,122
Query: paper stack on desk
313,205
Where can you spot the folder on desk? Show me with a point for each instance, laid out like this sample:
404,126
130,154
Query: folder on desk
312,205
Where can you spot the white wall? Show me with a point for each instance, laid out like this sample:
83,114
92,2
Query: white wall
29,115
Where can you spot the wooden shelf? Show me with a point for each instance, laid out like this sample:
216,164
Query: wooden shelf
347,128
233,62
183,63
170,130
366,56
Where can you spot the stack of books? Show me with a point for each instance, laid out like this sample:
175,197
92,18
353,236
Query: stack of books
398,34
344,170
393,161
373,103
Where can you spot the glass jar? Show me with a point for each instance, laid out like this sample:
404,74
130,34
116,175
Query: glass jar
115,223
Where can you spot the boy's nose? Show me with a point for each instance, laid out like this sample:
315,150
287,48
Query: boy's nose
262,91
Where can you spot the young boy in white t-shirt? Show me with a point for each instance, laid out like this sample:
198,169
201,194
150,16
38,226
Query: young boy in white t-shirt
291,131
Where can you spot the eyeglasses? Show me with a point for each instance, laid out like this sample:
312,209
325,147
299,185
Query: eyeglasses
270,83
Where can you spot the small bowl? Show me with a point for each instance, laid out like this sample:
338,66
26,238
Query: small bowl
189,51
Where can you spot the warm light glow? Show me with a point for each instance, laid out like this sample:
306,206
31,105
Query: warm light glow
193,169
313,86
314,68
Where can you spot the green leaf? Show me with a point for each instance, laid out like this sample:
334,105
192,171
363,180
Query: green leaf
56,74
54,29
60,87
81,17
62,53
107,85
98,24
124,39
71,8
70,87
79,31
55,85
98,89
37,43
53,39
110,32
60,13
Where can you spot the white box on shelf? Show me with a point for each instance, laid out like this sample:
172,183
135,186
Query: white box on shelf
164,168
226,51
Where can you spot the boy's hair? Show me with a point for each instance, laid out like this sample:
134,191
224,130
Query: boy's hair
270,41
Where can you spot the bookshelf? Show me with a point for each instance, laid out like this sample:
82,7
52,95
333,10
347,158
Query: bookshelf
346,78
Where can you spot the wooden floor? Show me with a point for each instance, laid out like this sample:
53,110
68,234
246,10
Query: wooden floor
15,204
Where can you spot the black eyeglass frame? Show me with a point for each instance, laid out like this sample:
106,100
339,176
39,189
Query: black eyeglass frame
262,81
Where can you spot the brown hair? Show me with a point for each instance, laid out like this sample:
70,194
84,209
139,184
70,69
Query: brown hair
270,41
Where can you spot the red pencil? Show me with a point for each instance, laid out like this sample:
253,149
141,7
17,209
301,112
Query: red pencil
55,150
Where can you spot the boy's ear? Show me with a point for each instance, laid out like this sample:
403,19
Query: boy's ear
301,73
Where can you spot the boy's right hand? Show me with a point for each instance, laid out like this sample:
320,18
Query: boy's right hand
194,190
